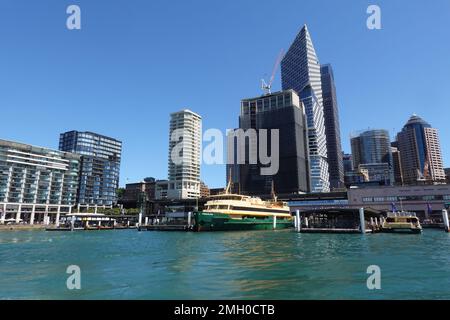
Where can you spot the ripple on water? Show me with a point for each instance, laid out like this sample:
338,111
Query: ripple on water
233,265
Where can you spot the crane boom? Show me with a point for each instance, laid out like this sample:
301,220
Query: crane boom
268,86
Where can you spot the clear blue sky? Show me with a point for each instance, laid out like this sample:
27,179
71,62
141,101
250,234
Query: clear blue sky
134,62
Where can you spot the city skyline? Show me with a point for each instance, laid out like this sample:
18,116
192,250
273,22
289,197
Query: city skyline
148,116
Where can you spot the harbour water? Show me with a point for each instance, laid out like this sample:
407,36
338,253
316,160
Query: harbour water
223,265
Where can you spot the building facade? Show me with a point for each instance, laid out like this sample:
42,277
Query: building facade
161,188
332,128
371,150
233,168
447,174
348,162
300,71
420,151
100,165
397,165
36,184
135,193
204,190
426,201
281,111
185,141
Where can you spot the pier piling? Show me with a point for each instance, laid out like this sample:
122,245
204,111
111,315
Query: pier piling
274,222
299,222
445,219
140,219
189,218
362,223
72,223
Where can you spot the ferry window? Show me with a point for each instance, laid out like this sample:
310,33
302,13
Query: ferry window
390,220
222,207
367,199
378,199
391,198
446,197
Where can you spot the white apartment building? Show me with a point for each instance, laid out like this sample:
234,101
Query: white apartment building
185,141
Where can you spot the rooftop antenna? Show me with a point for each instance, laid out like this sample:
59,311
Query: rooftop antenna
267,87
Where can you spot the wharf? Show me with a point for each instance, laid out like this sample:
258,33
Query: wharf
433,226
21,227
89,228
333,230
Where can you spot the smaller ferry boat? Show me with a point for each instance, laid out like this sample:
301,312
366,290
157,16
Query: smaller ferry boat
239,212
401,222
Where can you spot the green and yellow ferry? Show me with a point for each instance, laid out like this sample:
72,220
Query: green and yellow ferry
226,211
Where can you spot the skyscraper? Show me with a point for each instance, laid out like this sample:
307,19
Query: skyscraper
371,151
283,111
332,128
420,152
300,71
185,141
100,165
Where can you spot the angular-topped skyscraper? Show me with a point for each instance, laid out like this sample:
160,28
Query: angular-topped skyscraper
300,71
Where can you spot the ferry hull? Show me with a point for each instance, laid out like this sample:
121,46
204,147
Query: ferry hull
205,221
401,230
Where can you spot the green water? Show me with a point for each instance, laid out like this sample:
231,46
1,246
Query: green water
223,265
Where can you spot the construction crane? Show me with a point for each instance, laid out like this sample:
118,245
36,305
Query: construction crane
266,87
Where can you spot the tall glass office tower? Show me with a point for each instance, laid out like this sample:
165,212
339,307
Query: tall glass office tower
371,151
281,111
100,165
300,71
332,128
